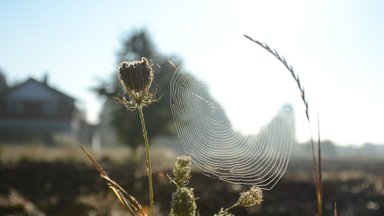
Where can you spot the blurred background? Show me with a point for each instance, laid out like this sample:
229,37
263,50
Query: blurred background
58,77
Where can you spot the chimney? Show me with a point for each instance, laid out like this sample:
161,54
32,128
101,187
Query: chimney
45,79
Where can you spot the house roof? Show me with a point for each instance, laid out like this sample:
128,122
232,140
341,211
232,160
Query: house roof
31,81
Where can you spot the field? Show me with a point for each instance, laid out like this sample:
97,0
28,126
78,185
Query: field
60,181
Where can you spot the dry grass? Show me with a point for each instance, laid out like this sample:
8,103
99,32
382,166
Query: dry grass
39,153
126,199
163,157
17,201
316,160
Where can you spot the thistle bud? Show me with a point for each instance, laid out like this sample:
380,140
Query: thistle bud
182,171
136,75
254,196
183,202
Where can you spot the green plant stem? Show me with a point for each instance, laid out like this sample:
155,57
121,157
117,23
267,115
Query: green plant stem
232,207
148,161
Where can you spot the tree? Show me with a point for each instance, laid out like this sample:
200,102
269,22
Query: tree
158,115
3,82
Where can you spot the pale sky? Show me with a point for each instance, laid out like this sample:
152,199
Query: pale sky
335,47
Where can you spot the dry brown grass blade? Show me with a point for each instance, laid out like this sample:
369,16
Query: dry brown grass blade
134,207
94,162
319,190
316,163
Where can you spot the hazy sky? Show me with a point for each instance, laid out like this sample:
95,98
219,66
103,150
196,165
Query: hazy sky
335,46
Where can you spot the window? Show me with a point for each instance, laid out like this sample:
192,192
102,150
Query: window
15,107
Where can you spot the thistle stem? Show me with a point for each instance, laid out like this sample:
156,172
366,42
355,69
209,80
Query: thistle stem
148,160
232,207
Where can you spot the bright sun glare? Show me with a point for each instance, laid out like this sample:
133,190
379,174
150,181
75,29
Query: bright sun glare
252,87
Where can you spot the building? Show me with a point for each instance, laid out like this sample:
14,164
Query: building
34,111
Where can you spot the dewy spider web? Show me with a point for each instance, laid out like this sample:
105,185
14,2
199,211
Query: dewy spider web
207,135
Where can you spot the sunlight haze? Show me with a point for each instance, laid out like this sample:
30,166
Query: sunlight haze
335,47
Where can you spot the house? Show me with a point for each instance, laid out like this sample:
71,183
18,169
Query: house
35,111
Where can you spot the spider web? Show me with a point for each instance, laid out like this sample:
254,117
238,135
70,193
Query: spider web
206,134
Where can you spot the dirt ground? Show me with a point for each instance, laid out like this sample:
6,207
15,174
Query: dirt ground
73,187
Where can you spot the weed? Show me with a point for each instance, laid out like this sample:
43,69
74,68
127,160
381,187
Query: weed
136,78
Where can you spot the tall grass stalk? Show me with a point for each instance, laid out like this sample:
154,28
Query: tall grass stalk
317,169
148,160
319,190
334,209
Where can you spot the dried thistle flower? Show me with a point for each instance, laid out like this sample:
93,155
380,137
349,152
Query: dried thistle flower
136,78
136,75
183,202
182,171
252,197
